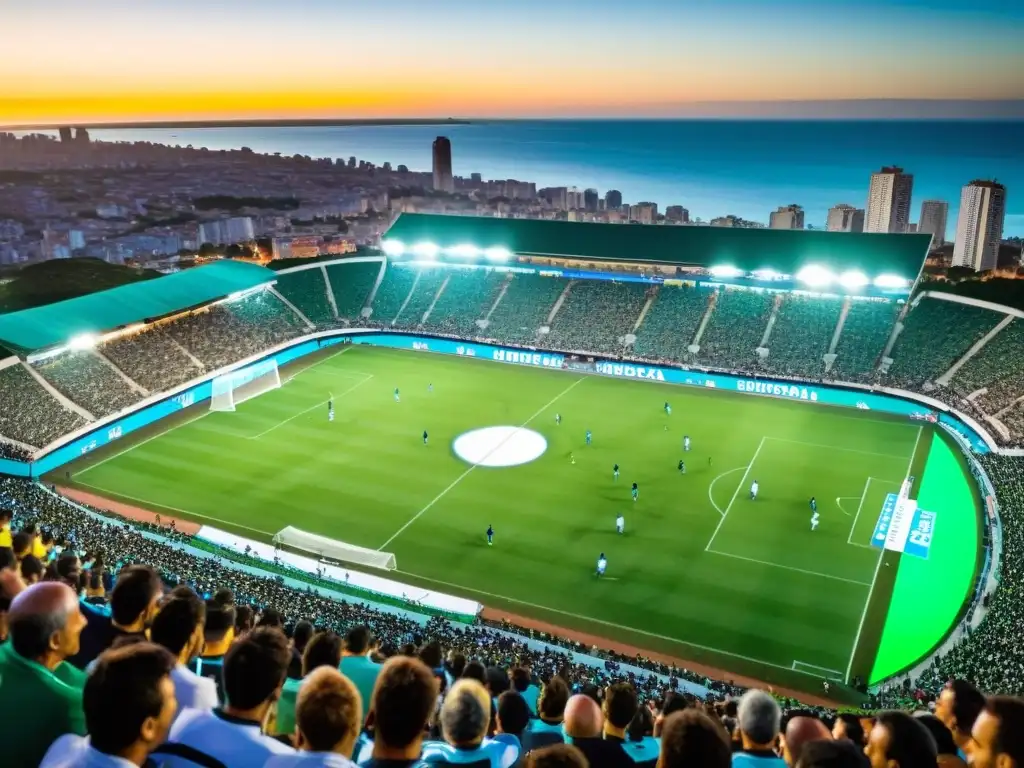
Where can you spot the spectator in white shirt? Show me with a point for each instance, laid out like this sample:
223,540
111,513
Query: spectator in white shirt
254,671
129,704
178,627
328,718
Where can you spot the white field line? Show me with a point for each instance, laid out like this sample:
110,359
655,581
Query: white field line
466,474
878,566
834,674
825,446
789,568
311,408
860,506
739,488
711,487
839,503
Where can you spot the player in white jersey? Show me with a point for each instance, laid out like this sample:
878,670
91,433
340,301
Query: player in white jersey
686,442
620,524
602,564
754,488
814,521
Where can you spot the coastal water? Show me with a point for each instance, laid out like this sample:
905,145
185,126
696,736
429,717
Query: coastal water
712,167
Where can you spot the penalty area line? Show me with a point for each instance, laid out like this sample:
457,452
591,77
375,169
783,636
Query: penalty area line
712,486
307,410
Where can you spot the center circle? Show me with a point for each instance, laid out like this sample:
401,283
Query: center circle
499,446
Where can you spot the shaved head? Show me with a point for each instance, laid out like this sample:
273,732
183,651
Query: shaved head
583,718
799,731
45,623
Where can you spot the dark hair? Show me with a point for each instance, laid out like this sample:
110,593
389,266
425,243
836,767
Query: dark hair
826,753
557,756
302,634
21,542
456,664
122,691
243,618
325,714
620,704
497,681
691,737
1009,711
6,514
641,725
430,654
224,596
176,622
31,566
220,619
133,593
553,698
910,743
475,670
7,558
854,730
942,735
323,650
358,640
674,702
513,712
255,667
403,700
968,702
520,679
271,617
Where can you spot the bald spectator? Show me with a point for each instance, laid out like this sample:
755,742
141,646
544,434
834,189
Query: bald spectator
557,756
799,731
948,752
998,735
958,706
129,705
178,627
758,719
690,738
44,624
897,740
583,729
848,727
329,714
403,700
832,753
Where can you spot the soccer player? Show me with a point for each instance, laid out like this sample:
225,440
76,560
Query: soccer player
558,419
668,409
424,437
397,398
814,505
686,442
620,523
589,437
572,459
430,387
682,467
814,521
754,487
330,409
615,472
490,536
602,564
635,491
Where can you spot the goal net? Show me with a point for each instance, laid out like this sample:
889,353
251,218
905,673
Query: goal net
244,384
332,549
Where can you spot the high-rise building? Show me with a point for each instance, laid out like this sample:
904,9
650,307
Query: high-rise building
787,217
226,231
677,214
443,179
557,196
590,198
889,201
65,134
845,218
933,220
979,226
644,213
613,199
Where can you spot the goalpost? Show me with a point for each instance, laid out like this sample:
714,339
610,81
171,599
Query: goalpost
244,384
332,549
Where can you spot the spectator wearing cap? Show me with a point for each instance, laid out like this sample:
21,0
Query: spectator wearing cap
547,727
557,756
583,729
689,737
218,635
329,714
323,650
758,719
254,671
36,706
356,664
958,706
403,701
897,740
998,734
129,705
465,721
133,604
178,627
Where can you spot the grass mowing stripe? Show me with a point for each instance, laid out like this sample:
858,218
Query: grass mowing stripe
465,474
789,568
736,493
311,408
824,446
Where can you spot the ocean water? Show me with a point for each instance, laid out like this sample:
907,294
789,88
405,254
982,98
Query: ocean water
712,167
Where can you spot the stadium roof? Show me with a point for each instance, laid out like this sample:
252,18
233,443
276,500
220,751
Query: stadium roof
96,313
785,251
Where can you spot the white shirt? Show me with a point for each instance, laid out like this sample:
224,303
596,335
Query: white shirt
753,489
71,751
620,521
193,690
225,738
310,760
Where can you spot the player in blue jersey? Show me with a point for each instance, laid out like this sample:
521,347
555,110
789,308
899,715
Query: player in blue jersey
589,437
397,398
615,472
330,409
814,505
602,564
490,536
635,491
424,437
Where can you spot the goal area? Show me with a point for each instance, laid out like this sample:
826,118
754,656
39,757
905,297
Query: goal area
332,549
236,387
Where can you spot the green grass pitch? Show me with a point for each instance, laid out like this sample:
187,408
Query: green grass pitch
702,571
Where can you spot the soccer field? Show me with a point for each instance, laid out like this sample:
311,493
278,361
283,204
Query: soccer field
702,571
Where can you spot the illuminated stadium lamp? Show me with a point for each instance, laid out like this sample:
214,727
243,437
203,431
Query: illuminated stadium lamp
426,250
767,274
393,247
466,251
83,341
815,276
853,279
497,253
891,281
725,271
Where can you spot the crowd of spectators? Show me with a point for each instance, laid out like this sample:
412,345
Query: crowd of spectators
391,294
525,308
802,335
866,331
28,413
596,316
671,323
152,359
422,296
735,329
351,285
85,379
466,298
307,290
1002,355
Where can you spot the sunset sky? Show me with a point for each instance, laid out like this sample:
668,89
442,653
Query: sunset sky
135,60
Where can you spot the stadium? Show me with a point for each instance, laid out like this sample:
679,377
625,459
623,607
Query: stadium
355,426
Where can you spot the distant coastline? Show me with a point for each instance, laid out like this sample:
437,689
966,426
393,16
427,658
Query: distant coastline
297,123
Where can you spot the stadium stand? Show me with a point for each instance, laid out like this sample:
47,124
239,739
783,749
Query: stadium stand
1001,359
802,334
28,413
306,289
865,333
85,379
596,315
152,359
525,308
735,329
420,300
351,285
391,295
467,297
671,323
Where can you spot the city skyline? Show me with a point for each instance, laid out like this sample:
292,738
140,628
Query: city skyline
319,59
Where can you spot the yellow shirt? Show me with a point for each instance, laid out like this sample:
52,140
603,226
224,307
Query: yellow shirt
38,549
5,536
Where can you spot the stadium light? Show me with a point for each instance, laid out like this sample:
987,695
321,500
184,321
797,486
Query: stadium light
815,276
767,274
82,341
890,281
393,247
465,251
497,253
853,279
725,271
426,250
